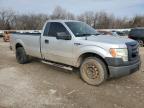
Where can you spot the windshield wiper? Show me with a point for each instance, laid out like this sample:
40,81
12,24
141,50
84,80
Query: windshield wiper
96,34
87,34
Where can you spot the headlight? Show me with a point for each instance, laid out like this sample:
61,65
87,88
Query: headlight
119,53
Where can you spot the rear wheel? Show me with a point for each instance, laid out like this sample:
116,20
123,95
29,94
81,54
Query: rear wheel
21,56
141,43
93,71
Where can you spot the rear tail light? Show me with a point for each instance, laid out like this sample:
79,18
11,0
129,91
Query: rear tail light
129,36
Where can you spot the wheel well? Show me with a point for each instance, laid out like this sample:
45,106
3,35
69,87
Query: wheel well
86,55
18,45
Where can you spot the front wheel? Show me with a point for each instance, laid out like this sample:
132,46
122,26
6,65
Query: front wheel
93,71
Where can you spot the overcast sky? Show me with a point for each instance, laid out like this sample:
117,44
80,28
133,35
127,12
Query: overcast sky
122,8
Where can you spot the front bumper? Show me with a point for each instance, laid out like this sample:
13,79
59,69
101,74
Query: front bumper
119,69
123,70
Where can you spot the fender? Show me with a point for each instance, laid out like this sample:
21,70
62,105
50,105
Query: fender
19,41
91,49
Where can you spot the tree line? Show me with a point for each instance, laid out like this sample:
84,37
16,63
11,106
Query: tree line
100,20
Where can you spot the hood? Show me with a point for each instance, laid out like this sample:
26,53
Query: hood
109,39
106,41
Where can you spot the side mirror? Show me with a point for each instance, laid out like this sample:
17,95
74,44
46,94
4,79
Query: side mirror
63,36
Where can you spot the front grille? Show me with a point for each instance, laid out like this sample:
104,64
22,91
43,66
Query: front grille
132,50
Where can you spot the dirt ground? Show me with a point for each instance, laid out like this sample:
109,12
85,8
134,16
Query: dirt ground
38,85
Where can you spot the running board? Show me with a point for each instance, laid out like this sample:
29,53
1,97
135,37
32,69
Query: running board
58,65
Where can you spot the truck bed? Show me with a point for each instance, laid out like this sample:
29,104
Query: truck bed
31,42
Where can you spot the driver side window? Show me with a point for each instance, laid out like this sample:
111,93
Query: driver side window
55,28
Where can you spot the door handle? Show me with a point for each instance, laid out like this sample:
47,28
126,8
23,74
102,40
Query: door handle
77,44
47,41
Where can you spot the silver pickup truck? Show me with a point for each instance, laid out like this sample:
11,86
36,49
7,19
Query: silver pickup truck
77,45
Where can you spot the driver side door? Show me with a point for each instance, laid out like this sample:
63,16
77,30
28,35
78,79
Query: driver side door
54,49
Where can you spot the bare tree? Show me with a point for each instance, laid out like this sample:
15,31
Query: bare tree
70,16
31,22
60,13
87,17
138,21
98,20
6,18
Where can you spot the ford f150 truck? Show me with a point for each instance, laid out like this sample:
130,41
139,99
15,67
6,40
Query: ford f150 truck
75,44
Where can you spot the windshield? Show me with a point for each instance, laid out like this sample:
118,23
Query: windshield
80,29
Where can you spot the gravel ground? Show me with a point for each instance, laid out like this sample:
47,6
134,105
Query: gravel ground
38,85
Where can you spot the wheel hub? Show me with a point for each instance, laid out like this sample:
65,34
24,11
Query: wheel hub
92,71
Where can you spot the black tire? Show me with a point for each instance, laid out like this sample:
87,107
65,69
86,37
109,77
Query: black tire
140,43
93,71
21,56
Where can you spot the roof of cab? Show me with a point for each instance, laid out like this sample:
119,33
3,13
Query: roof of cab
62,21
